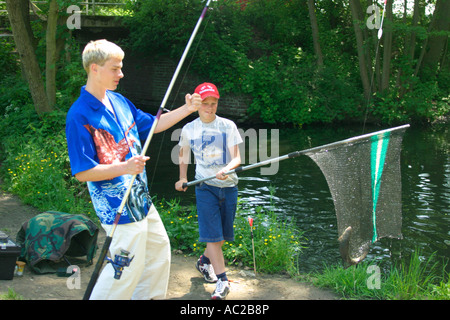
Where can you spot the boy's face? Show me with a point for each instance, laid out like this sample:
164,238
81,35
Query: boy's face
207,111
108,75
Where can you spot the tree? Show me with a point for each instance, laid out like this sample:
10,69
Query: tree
24,43
315,32
52,52
355,7
44,95
436,43
387,46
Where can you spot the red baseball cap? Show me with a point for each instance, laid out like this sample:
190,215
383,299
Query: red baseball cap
207,90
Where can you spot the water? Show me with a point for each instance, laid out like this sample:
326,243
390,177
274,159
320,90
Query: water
300,191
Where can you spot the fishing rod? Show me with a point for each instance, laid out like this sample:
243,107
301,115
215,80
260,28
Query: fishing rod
296,154
380,31
250,222
108,239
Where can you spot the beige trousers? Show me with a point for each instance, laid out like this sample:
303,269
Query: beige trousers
147,277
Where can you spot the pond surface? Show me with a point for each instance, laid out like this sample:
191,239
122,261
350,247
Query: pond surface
299,190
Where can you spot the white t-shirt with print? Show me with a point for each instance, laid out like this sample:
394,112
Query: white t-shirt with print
210,144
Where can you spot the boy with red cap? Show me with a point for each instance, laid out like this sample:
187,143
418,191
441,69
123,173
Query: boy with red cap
214,141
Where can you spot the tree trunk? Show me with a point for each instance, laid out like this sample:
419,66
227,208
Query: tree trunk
410,46
25,11
357,23
24,45
387,47
51,50
432,51
315,32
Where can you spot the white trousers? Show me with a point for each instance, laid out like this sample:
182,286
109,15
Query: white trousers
147,277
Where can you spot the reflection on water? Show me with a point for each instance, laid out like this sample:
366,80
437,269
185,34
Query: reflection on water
301,192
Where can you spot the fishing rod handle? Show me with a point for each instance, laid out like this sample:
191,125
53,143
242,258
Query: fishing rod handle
98,268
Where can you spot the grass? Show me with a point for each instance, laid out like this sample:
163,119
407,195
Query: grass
413,279
11,295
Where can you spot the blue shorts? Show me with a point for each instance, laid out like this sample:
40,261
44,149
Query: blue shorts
216,209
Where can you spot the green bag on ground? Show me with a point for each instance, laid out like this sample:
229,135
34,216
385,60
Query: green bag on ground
51,237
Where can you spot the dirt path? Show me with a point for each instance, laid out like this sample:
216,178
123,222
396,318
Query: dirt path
185,282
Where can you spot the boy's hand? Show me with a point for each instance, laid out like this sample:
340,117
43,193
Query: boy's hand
221,175
179,185
136,164
193,102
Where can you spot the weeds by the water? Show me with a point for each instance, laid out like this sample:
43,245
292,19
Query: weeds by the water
277,241
415,278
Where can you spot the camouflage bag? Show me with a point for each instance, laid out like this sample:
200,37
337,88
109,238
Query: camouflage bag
50,237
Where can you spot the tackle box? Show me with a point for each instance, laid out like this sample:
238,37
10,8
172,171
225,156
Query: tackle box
9,251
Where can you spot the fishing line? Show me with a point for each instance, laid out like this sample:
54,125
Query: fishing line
379,35
175,97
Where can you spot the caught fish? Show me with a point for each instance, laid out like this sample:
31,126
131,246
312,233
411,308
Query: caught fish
344,248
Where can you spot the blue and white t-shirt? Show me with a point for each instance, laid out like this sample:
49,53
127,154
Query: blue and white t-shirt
210,144
97,136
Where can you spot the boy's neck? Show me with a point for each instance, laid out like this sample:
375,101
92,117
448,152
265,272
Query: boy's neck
96,91
100,94
207,120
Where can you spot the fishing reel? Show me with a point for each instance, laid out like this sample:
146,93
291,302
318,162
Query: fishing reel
121,261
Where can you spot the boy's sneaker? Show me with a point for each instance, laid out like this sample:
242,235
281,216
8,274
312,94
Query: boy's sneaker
222,290
206,270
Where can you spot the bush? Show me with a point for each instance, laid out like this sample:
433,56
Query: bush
35,162
277,241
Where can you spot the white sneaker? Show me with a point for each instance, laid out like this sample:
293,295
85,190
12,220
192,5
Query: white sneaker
206,270
222,290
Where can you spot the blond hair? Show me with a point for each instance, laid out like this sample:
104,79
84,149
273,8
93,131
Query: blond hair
99,52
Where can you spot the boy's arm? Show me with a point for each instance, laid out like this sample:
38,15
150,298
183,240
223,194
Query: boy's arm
167,120
134,165
233,164
183,157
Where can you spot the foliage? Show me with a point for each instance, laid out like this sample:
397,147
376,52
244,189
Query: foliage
264,49
8,59
277,242
33,149
180,222
11,295
409,280
36,165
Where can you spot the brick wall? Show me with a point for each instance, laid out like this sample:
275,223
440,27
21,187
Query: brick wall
147,79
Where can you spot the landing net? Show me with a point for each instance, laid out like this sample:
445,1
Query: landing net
363,174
